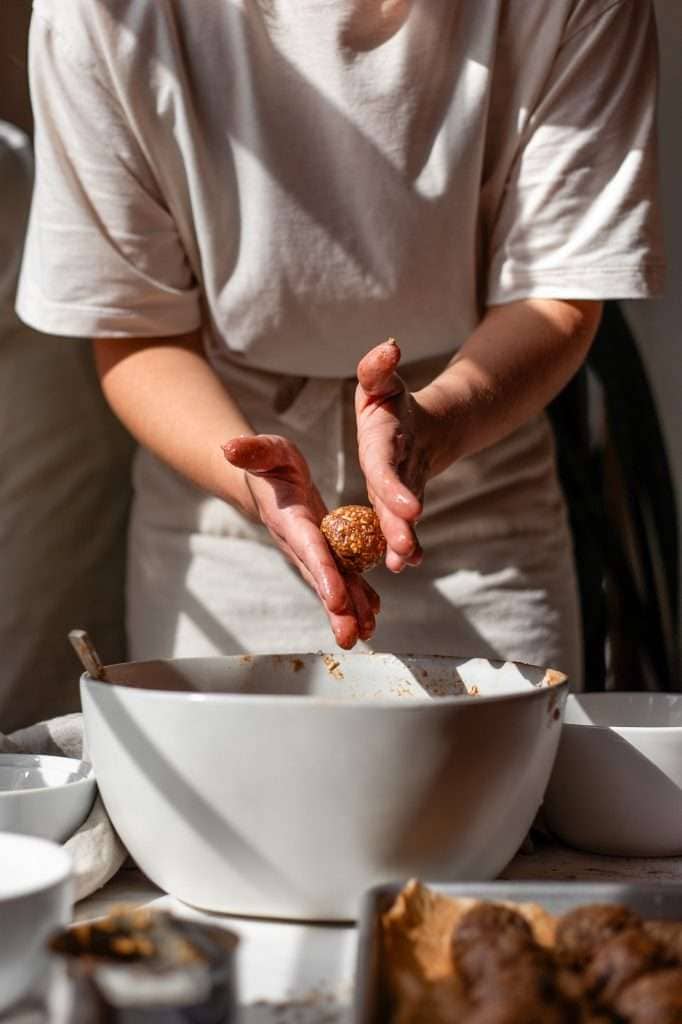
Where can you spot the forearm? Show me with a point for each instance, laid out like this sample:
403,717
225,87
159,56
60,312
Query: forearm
170,399
510,368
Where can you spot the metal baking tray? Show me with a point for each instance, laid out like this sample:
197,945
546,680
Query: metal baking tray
659,900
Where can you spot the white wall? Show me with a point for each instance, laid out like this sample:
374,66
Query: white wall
658,325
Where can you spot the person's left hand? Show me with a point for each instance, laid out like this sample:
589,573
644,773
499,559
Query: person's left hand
289,505
392,431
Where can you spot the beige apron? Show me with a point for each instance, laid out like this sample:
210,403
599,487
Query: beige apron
497,578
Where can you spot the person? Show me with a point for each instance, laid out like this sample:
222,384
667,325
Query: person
240,202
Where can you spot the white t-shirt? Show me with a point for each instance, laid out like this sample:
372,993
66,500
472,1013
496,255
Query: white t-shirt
305,179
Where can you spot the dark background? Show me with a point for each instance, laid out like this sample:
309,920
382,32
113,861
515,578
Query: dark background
14,100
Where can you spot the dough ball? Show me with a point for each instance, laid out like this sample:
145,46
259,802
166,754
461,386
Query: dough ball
582,931
619,961
354,536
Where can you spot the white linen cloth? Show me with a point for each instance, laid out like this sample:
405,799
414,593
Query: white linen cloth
95,848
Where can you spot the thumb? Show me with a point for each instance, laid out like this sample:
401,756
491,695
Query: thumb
377,371
259,453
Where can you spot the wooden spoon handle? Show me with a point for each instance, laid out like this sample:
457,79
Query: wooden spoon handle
87,654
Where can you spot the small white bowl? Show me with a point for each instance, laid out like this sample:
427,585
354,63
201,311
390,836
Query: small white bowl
616,787
46,796
35,900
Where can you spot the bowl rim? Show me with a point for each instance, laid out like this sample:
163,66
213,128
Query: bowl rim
61,864
17,794
552,680
614,726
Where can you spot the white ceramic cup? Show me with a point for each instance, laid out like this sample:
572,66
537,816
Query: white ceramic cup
35,900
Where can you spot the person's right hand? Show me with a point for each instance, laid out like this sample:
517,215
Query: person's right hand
290,506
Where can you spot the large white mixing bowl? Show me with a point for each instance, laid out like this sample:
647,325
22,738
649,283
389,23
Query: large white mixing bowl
286,785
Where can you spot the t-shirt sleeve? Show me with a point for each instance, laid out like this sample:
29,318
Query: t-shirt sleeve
103,257
579,216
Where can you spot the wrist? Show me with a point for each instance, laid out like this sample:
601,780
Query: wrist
442,417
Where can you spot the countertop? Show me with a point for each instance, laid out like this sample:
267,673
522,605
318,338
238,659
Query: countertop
297,973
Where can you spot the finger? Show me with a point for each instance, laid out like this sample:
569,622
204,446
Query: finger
402,544
372,596
376,461
312,551
344,626
260,453
376,371
363,610
396,563
351,612
345,630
